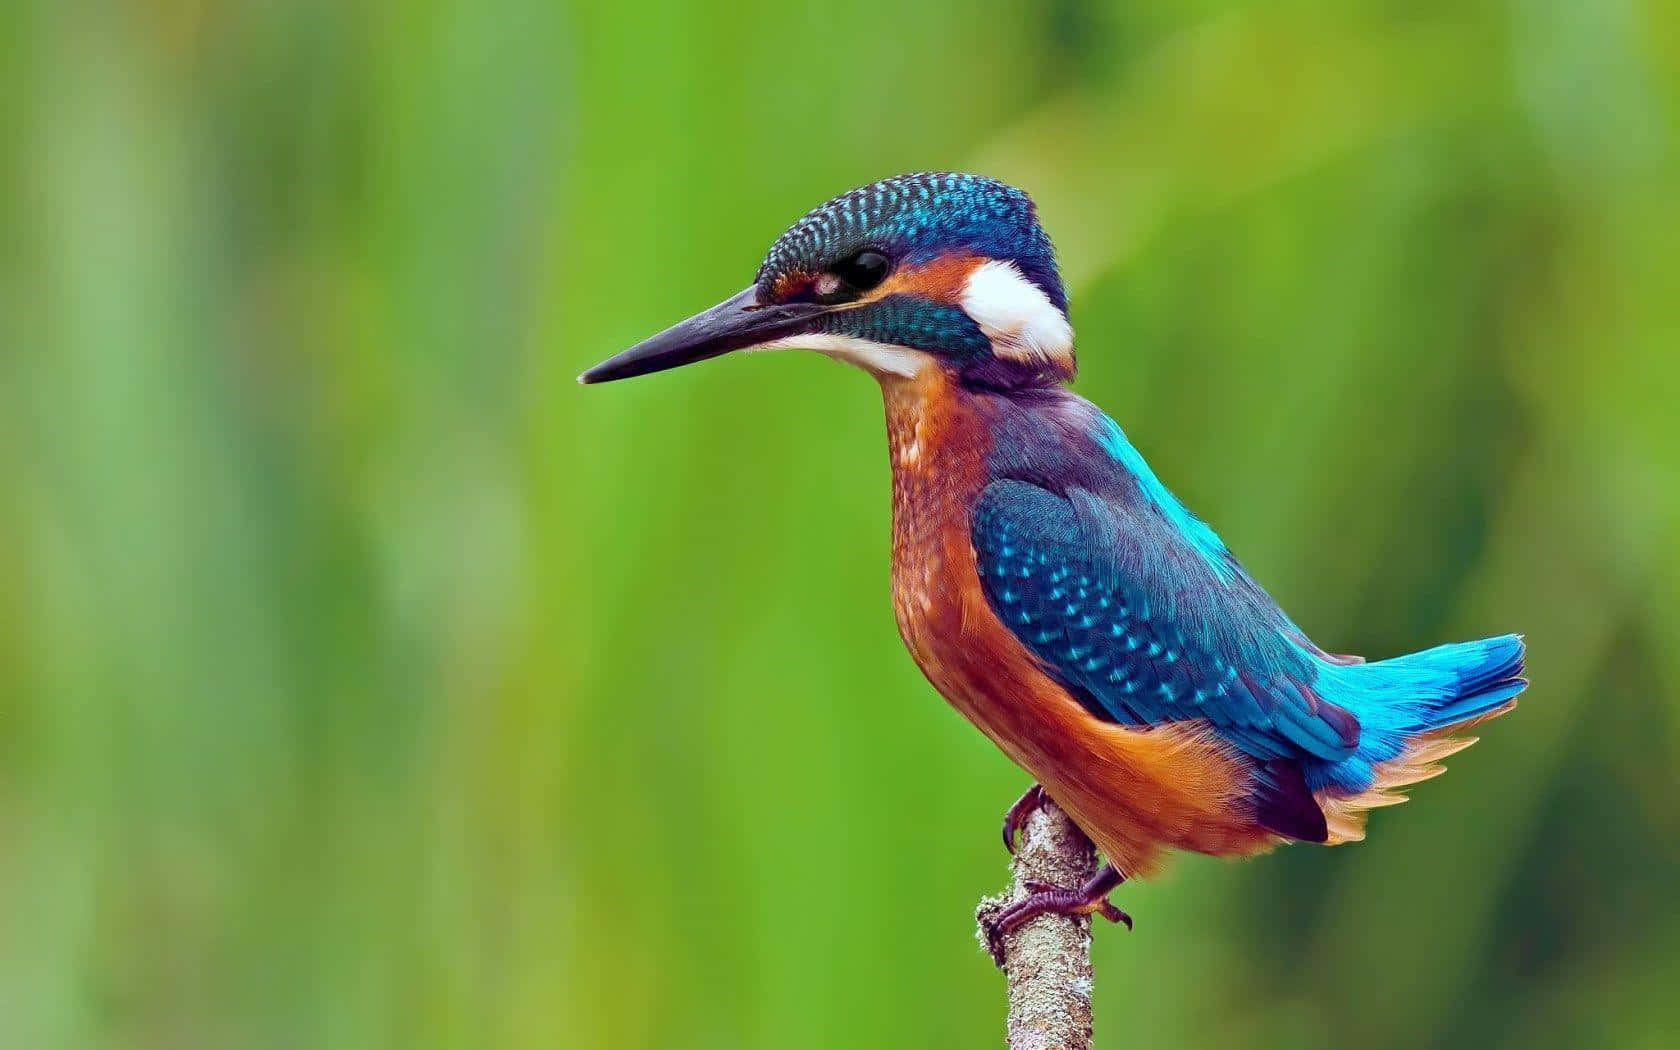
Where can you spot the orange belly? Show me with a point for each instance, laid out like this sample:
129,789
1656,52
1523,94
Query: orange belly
1133,791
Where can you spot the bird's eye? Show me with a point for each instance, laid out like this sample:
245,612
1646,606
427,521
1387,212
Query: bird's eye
862,270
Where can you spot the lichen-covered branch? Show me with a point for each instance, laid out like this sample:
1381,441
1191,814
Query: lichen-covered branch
1048,960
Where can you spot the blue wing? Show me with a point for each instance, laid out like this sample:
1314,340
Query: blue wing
1133,619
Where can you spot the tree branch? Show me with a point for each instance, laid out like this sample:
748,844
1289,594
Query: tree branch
1047,962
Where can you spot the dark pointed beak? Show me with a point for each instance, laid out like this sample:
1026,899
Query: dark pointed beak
733,324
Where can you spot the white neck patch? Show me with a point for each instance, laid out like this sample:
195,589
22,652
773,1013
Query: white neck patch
878,358
1020,320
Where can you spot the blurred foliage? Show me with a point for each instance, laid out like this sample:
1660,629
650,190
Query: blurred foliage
365,682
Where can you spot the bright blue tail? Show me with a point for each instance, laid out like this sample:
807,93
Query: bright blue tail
1425,692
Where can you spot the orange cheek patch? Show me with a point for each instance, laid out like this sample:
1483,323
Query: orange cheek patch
942,279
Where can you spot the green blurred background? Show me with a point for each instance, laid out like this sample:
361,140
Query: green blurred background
365,682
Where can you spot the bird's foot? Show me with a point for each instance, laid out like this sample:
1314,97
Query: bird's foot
1045,899
1016,818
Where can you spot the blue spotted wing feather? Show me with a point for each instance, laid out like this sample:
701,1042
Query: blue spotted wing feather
1138,609
1143,633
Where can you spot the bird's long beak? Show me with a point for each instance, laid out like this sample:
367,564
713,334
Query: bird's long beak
734,324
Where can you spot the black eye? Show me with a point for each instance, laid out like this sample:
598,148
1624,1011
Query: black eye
863,269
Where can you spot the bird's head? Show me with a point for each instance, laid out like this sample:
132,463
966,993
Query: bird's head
912,272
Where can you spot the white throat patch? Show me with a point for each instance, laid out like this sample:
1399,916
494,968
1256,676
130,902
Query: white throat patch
1020,320
878,358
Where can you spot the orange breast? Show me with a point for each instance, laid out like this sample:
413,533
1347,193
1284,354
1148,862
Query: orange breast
1133,791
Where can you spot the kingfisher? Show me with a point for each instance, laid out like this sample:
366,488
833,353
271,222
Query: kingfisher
1049,585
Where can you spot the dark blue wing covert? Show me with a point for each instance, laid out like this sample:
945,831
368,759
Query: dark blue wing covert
1140,635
